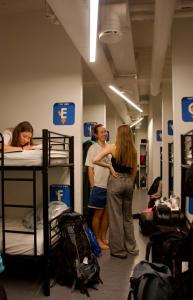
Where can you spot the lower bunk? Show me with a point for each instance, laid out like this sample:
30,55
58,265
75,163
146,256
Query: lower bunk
23,250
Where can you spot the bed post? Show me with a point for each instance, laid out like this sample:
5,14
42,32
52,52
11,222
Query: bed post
71,162
46,258
2,192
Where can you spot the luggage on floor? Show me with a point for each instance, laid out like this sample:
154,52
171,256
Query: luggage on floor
151,281
174,248
74,263
170,246
164,215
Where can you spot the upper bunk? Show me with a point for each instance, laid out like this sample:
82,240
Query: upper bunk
53,150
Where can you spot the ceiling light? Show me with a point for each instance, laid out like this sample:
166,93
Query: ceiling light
93,28
136,122
125,98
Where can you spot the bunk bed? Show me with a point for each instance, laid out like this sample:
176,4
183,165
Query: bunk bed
55,151
186,161
170,168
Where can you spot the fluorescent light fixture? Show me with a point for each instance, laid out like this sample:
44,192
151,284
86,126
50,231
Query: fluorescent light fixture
125,98
136,122
94,4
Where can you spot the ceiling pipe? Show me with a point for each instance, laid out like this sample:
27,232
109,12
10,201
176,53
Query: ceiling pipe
164,12
78,31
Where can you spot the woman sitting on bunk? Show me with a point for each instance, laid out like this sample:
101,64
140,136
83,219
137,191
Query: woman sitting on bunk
18,138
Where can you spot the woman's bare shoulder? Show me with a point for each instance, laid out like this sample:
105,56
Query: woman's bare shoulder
110,147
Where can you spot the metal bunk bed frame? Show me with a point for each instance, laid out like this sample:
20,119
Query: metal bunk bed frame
49,228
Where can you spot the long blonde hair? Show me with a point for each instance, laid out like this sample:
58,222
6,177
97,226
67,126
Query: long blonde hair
125,153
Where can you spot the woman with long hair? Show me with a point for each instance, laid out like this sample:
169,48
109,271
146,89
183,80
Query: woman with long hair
18,138
123,169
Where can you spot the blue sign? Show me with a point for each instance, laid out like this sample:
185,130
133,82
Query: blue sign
88,129
170,127
159,135
60,192
187,109
64,113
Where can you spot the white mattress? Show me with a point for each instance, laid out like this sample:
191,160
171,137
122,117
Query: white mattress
34,158
20,243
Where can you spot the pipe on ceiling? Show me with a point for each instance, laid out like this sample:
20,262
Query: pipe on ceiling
164,12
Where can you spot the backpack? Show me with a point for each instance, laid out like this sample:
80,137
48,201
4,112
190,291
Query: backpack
170,246
188,188
151,281
73,262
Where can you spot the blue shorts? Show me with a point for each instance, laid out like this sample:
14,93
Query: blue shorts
98,198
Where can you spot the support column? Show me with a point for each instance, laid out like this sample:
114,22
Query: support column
166,138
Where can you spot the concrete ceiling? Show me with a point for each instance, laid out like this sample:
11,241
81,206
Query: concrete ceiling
139,62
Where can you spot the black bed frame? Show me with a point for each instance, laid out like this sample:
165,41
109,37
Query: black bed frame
50,140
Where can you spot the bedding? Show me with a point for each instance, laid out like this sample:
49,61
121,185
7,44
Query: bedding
34,157
21,243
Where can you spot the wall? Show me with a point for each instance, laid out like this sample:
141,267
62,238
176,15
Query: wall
140,133
113,120
154,124
182,74
40,66
166,115
94,104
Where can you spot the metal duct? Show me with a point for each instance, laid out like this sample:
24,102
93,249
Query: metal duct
164,12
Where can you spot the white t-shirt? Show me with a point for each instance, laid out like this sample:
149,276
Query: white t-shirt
7,135
101,174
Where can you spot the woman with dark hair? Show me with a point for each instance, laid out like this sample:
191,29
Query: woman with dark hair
19,138
123,169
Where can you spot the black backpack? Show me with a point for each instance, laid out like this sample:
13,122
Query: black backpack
151,281
73,262
170,246
189,182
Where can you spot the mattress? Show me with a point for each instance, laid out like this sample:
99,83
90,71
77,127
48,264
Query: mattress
21,243
34,158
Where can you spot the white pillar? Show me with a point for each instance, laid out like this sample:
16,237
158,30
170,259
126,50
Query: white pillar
166,116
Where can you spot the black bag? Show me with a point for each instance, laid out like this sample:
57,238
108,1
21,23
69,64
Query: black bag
163,215
73,262
170,246
188,188
151,282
